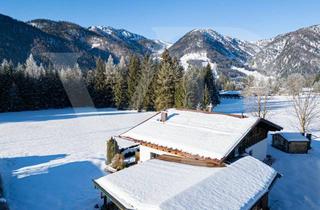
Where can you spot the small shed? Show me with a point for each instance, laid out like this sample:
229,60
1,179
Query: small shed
291,142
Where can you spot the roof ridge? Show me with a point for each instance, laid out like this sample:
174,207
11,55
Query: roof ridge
218,113
139,123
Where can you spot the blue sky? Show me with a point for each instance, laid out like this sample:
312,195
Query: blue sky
170,19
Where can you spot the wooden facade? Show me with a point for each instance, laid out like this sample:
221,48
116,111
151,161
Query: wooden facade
262,203
283,144
257,133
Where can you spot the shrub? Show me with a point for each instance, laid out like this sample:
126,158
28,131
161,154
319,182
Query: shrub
112,149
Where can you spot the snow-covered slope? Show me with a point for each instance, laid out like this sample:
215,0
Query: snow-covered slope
294,52
135,41
253,73
201,46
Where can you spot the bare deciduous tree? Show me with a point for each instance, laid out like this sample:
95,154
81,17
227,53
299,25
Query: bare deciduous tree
258,93
306,103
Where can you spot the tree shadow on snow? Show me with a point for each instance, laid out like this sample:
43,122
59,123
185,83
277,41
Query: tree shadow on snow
58,114
67,186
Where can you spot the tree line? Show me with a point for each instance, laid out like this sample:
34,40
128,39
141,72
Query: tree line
141,84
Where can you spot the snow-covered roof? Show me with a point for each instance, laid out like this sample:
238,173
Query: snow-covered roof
124,143
197,133
293,136
157,184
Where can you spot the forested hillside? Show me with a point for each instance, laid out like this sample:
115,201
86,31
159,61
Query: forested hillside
138,84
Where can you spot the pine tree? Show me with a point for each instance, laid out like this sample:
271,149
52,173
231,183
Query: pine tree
100,98
181,93
121,86
134,75
147,74
165,93
206,98
32,69
194,84
150,97
209,82
73,84
179,86
16,103
5,85
110,81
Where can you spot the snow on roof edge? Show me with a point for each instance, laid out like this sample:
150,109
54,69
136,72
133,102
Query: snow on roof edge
262,175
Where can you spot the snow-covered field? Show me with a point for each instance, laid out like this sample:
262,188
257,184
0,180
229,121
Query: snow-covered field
299,188
48,158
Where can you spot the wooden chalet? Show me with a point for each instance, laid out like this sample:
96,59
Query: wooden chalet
201,135
194,160
161,184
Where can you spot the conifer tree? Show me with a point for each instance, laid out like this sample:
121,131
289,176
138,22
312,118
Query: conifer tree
134,74
100,87
110,72
150,97
5,85
121,86
165,92
194,84
206,98
209,82
179,86
181,93
147,73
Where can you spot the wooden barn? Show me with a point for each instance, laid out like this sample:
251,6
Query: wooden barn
291,142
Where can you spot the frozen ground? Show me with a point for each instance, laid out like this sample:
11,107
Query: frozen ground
48,158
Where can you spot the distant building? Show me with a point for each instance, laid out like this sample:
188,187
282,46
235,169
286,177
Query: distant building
291,142
230,94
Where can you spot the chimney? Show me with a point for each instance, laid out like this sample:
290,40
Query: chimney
164,116
210,106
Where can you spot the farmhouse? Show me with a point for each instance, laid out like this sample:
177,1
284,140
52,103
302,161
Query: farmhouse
291,142
201,135
158,184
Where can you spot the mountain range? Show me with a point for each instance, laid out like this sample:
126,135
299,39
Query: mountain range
293,52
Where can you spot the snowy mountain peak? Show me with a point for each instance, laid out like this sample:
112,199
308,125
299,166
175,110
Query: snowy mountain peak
116,32
293,52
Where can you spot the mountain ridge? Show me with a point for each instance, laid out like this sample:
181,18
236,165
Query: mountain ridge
291,52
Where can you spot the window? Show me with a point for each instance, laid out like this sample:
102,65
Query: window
153,155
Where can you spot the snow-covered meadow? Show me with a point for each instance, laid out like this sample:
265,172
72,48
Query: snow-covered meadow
299,188
48,158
